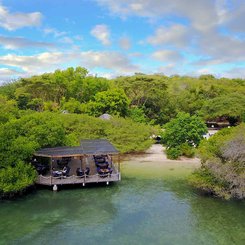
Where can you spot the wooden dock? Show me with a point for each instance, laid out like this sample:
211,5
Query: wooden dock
79,157
50,181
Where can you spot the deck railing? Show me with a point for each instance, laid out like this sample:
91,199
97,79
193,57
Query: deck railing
73,179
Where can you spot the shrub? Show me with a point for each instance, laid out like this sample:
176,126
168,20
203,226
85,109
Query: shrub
187,150
173,153
16,179
223,157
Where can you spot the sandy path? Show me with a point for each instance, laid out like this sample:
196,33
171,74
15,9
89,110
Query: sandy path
155,154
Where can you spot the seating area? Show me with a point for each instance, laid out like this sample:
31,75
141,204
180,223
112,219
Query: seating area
91,162
81,173
102,164
41,168
61,173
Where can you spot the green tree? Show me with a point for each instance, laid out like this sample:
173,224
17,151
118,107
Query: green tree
114,102
149,93
72,106
184,129
14,180
230,106
8,109
182,133
223,164
137,114
19,138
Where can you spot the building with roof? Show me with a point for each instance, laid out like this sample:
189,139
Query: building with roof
94,161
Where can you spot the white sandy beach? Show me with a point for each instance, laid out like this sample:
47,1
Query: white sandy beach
155,155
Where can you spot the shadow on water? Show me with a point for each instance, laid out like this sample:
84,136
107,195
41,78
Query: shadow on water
151,205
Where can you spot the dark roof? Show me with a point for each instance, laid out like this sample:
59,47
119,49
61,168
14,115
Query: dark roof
88,147
99,146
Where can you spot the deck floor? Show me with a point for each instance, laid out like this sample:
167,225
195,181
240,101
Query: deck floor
93,177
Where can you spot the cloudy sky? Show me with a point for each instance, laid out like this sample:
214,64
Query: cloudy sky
115,37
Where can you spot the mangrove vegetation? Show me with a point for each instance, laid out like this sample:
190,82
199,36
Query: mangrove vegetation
63,107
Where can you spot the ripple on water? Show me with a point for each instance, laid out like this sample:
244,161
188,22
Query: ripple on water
151,205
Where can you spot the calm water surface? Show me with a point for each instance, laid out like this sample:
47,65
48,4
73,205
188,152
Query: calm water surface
151,205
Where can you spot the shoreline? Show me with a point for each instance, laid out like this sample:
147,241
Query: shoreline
155,154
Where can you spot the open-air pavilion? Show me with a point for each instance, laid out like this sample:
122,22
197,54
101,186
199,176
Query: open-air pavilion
93,161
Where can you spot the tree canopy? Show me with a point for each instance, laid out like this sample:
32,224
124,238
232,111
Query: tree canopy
183,133
223,163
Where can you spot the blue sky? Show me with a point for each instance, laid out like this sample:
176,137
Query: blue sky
111,38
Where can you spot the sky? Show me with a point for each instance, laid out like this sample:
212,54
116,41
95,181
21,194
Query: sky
120,37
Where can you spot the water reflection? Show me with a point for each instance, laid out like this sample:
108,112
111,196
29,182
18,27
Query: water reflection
149,206
46,212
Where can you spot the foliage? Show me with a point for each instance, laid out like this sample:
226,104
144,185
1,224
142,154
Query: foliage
160,97
8,109
187,150
181,150
204,180
147,92
31,115
129,136
230,106
173,153
8,90
114,102
137,114
16,179
72,106
19,138
183,129
223,164
125,134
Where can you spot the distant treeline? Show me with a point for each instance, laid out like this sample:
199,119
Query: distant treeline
154,99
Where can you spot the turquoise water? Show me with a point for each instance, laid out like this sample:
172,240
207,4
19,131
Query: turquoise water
153,206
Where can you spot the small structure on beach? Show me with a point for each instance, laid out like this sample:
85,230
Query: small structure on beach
93,161
105,116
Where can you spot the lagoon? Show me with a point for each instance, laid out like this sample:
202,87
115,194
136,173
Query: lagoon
153,204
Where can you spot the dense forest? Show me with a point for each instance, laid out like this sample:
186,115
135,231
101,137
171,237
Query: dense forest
60,108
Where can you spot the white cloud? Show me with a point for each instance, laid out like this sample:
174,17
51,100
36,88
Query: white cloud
166,55
237,72
221,49
108,60
54,32
49,61
36,63
20,42
231,17
102,33
67,40
168,70
125,43
202,13
8,72
13,21
176,35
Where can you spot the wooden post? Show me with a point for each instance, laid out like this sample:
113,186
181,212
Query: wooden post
51,170
110,161
119,163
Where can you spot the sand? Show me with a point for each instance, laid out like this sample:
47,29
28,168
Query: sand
155,154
